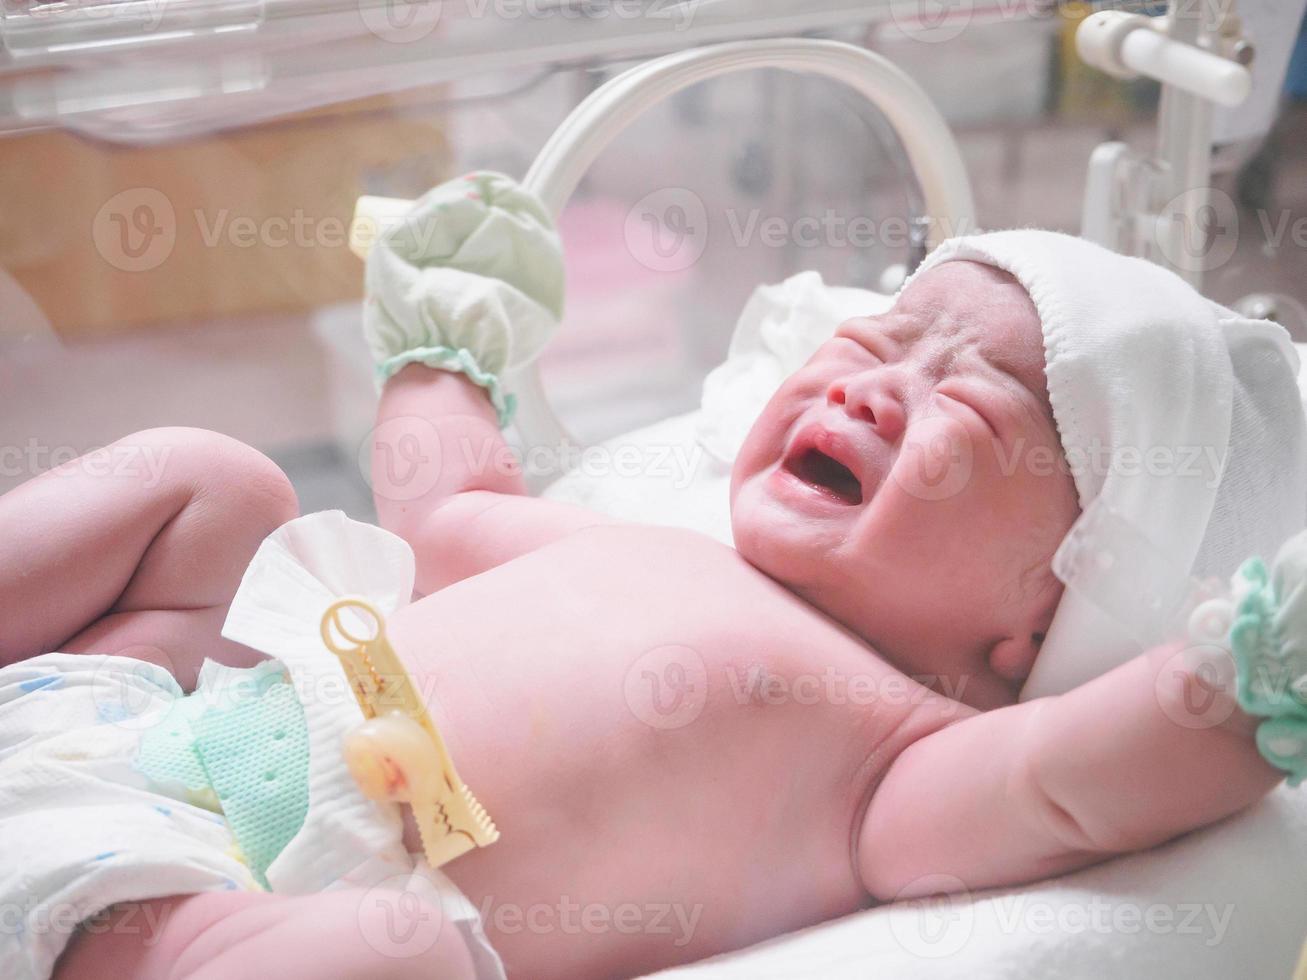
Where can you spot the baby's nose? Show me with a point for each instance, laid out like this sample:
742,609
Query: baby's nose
865,398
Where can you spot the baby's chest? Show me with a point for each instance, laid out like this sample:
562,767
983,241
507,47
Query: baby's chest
670,625
629,679
629,586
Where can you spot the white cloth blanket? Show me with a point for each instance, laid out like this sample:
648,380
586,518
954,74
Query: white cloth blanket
1228,901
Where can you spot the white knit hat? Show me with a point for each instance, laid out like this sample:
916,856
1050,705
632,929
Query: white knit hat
1183,427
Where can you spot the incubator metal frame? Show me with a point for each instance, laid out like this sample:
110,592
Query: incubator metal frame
926,138
143,71
560,165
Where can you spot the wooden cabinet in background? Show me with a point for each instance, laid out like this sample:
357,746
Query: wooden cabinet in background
106,238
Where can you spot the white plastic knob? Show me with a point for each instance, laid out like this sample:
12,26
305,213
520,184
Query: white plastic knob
1128,45
1210,622
1100,36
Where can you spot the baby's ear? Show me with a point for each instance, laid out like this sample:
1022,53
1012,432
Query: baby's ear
1013,658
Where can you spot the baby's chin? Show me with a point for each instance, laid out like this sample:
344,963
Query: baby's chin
978,687
772,541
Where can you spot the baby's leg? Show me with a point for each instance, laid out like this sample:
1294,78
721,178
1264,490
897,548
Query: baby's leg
219,935
137,549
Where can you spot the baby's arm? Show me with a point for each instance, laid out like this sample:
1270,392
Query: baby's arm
469,280
1124,762
444,480
336,935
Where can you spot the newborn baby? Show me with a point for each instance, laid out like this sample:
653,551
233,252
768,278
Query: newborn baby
604,687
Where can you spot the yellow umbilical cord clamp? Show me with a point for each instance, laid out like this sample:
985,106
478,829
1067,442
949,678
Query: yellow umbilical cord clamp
397,754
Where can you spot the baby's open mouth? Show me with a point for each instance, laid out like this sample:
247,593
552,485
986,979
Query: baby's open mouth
826,474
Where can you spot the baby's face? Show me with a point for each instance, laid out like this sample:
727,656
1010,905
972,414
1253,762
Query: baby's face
909,481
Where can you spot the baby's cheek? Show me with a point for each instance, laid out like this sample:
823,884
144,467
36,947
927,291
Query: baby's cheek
937,460
1036,494
765,442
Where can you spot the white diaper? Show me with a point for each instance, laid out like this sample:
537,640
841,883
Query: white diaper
83,828
80,828
299,570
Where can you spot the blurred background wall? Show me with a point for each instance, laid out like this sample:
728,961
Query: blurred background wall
206,280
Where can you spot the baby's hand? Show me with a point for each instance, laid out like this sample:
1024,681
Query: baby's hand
470,280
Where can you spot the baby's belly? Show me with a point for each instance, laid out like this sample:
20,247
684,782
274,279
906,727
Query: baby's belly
675,749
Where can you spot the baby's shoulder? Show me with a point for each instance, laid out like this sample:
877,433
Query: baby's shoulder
701,579
649,549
